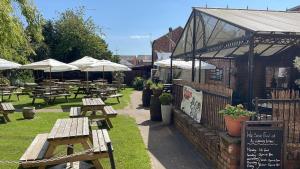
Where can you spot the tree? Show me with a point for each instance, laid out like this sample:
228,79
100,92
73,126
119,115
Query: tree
76,37
14,37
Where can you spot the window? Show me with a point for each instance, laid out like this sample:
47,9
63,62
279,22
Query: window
277,77
216,74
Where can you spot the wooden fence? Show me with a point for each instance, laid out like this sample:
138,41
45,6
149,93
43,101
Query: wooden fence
283,106
215,98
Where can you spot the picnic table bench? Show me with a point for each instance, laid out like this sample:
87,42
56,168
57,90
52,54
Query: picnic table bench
6,91
50,94
5,109
71,131
94,105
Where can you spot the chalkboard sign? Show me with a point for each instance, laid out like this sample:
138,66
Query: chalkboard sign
263,145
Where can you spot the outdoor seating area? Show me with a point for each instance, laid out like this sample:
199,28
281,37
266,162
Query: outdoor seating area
82,87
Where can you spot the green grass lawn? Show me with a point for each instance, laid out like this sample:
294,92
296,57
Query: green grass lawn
61,103
129,149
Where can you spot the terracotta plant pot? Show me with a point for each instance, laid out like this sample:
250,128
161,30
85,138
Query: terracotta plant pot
234,125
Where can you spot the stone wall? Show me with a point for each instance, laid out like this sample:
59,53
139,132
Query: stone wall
223,151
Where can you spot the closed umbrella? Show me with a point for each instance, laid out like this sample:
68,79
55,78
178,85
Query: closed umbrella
5,64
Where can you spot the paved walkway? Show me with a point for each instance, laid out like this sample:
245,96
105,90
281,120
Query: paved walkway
168,149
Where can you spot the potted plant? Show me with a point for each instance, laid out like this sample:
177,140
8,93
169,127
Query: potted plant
166,108
157,89
234,116
147,92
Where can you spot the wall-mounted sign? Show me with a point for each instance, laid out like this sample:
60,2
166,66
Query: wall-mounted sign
192,103
263,145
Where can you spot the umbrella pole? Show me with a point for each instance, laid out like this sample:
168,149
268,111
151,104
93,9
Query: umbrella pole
103,72
50,82
87,79
62,76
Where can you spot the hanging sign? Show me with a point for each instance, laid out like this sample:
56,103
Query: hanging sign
192,103
262,145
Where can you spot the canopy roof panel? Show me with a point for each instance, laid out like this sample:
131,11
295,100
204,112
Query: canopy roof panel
212,32
258,20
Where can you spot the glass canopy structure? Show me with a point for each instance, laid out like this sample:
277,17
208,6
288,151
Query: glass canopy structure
212,33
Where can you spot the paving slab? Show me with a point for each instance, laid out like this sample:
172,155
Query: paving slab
168,149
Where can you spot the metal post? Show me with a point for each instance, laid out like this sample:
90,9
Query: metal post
170,50
171,70
200,69
229,74
250,72
194,46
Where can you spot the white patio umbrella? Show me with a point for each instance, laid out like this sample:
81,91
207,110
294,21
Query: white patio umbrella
106,66
49,65
183,64
83,63
5,64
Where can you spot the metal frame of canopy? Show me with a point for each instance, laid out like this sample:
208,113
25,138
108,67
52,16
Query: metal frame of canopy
251,41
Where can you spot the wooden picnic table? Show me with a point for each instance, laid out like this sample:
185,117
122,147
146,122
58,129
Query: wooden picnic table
49,93
68,132
95,105
6,91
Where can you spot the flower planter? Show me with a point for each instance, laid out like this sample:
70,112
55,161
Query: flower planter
155,109
157,92
234,125
147,92
166,112
28,112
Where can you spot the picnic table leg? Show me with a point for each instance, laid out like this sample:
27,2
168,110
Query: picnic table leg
6,117
108,122
96,163
50,151
111,156
118,99
70,150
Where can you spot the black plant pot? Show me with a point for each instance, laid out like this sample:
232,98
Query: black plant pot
147,92
155,110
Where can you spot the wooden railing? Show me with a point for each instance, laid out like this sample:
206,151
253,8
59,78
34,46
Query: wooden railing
215,99
284,106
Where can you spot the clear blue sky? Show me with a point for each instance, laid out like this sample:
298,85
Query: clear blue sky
130,25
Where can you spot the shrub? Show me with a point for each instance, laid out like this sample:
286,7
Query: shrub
165,98
236,111
157,86
138,83
149,83
4,81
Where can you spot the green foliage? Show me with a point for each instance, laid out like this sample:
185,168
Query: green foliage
236,111
149,82
14,37
72,36
138,83
165,98
157,86
4,80
19,77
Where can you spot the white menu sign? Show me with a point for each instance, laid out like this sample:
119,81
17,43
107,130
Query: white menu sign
192,103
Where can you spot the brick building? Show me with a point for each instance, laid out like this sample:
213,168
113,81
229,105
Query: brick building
166,43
